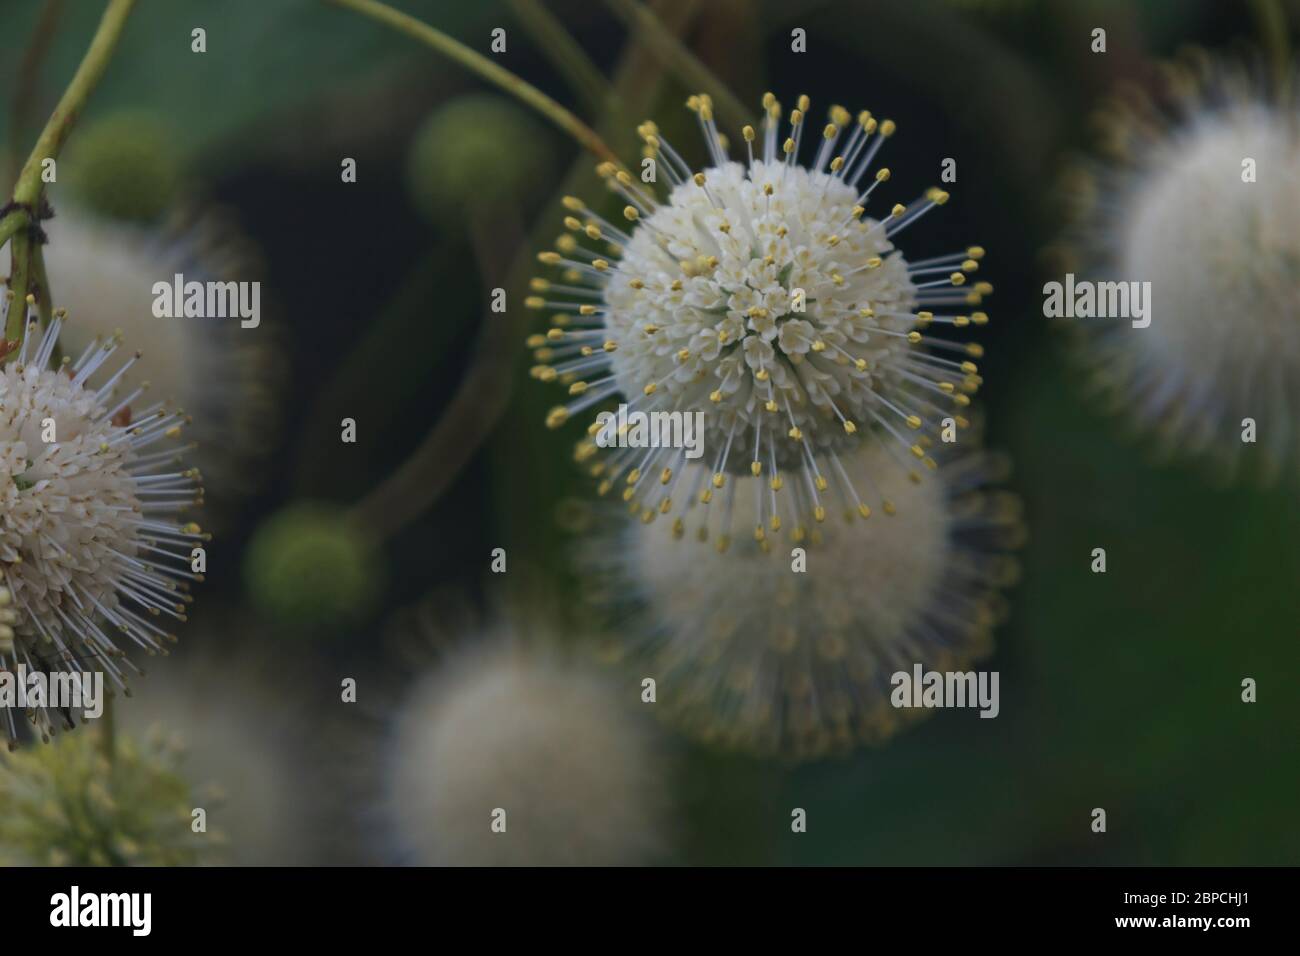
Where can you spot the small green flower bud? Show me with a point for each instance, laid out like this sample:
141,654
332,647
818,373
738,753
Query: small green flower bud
124,166
308,566
477,150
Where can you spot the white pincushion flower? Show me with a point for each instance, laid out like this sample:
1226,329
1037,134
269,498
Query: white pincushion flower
91,552
1222,255
749,652
760,294
104,274
550,743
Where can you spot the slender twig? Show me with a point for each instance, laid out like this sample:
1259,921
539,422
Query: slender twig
29,187
485,390
482,396
1270,18
11,222
566,55
28,265
485,68
20,269
674,55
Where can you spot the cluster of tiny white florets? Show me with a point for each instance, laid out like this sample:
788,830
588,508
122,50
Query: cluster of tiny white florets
752,652
1221,251
762,295
89,545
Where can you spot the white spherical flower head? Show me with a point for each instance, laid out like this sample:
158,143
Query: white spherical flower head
760,297
507,757
1205,206
790,650
212,367
91,552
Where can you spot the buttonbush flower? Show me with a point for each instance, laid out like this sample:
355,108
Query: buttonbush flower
95,552
548,741
756,653
760,293
104,273
1200,196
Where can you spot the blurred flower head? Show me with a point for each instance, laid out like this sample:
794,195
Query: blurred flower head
104,273
246,733
93,551
1200,196
516,756
760,296
758,653
68,804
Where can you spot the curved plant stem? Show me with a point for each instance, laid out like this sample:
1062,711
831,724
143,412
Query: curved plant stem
10,223
29,187
674,54
1271,21
485,68
485,390
572,62
479,401
27,274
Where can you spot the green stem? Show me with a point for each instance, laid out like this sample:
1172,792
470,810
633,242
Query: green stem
674,54
485,68
11,223
29,187
108,731
1271,20
44,299
20,270
27,274
565,54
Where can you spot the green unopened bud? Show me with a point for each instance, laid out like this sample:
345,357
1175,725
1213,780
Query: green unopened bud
478,150
124,166
309,566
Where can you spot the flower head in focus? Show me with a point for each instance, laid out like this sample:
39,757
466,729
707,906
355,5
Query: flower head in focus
1199,195
95,551
761,294
753,653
